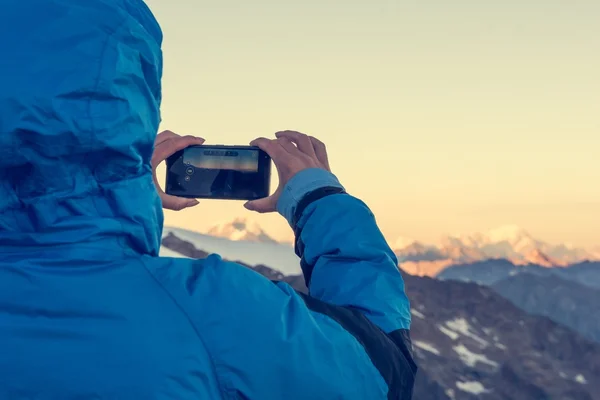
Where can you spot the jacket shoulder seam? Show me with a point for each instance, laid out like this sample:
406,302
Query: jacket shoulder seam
224,389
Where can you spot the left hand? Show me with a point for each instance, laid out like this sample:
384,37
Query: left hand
166,144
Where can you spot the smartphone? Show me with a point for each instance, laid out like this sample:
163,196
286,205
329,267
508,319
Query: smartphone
219,172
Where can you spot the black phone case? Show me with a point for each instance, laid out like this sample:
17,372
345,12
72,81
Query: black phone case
264,169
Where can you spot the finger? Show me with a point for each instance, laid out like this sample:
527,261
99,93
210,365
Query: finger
172,146
300,139
289,146
165,135
272,147
177,203
268,204
172,202
321,152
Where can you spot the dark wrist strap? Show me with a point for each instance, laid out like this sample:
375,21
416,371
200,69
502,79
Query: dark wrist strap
307,200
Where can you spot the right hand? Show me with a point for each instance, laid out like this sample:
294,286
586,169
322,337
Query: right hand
291,153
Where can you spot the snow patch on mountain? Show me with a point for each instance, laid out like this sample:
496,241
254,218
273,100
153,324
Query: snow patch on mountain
473,387
463,327
471,358
427,347
500,346
450,333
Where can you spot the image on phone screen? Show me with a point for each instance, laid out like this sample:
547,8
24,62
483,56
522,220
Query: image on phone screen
220,172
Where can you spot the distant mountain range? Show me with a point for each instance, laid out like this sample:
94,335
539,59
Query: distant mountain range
469,341
509,242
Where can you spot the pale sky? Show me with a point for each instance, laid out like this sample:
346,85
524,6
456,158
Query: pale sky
444,117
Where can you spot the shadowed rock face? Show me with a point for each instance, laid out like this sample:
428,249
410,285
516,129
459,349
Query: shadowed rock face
182,247
471,343
569,303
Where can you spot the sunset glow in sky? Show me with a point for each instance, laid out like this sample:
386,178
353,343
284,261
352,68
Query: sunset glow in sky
444,117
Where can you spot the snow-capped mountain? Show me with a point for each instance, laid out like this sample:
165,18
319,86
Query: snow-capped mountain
508,242
417,251
241,229
279,256
516,237
403,242
538,258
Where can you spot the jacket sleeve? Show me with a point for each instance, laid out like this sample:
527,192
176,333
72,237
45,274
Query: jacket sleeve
344,257
354,283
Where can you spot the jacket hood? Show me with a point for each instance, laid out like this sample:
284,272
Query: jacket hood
79,112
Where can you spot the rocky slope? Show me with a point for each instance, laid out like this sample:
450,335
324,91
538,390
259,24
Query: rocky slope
476,344
566,302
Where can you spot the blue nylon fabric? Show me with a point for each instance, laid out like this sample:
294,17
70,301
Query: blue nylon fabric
79,111
302,183
87,309
352,262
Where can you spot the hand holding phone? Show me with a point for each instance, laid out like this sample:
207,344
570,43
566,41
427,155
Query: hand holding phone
291,152
219,172
166,144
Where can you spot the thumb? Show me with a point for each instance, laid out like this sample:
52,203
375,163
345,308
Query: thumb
177,203
261,205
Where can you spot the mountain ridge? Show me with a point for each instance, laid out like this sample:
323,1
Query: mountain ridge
508,242
488,272
564,301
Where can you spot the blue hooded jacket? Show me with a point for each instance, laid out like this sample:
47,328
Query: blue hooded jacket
87,308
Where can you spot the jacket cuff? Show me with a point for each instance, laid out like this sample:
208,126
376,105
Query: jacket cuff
301,184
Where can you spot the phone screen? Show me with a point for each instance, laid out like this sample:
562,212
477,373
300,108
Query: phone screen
243,160
220,172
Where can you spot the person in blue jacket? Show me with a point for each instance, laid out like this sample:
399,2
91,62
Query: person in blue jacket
87,308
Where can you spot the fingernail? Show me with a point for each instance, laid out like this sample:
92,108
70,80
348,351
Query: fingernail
248,206
193,203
